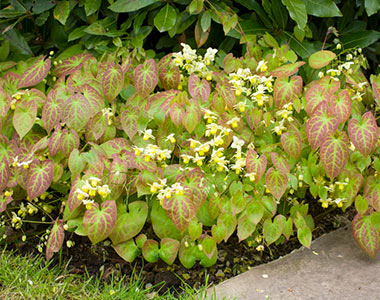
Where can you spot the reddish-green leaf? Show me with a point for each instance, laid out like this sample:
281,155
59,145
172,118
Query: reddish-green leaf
226,91
314,96
366,235
192,116
276,182
146,77
199,87
180,209
255,164
128,122
375,82
73,202
69,141
334,153
39,177
5,173
321,59
238,202
272,230
52,110
97,126
292,143
319,126
200,35
127,250
4,201
54,142
209,246
176,114
341,105
115,146
71,64
76,112
169,77
55,240
168,250
76,162
372,192
280,162
94,99
99,223
150,251
285,90
287,70
129,224
5,102
24,117
245,228
364,133
112,82
35,74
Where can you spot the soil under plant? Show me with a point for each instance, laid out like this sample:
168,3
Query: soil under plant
233,258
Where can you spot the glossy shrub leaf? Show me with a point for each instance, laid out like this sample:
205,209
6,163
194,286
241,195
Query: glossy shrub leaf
121,6
169,250
55,240
35,73
39,177
129,224
92,6
322,8
150,251
180,209
245,228
61,11
272,230
319,126
76,112
165,19
285,90
364,133
292,143
359,39
276,182
297,11
366,235
24,117
287,70
280,162
321,59
99,222
199,87
146,77
341,105
334,153
71,64
256,164
200,35
112,82
127,250
304,236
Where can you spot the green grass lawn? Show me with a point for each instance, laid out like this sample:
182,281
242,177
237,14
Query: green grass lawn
29,277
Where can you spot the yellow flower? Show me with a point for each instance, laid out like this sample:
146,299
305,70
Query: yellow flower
8,193
147,158
209,77
238,92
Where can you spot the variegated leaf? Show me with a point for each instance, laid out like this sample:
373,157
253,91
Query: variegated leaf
199,87
285,90
73,202
372,192
292,143
97,126
35,73
52,110
287,70
341,105
76,162
71,64
364,133
176,114
192,116
76,112
276,182
127,250
319,126
95,100
5,173
169,77
128,120
5,102
169,250
24,117
366,235
55,142
375,82
99,222
4,201
226,91
180,209
115,146
69,141
146,77
39,177
280,162
245,228
112,82
334,153
255,164
314,96
55,240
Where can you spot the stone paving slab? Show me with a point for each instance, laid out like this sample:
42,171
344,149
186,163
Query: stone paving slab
335,268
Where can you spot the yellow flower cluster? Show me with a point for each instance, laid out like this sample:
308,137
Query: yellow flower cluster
153,152
164,191
89,190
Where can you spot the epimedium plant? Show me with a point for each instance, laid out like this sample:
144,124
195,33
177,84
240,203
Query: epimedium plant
170,158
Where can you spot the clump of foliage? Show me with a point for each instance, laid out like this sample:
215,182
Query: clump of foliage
170,158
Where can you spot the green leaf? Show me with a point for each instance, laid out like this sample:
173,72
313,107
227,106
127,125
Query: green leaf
276,181
366,235
76,112
209,246
121,6
361,205
166,18
55,240
168,250
321,59
280,13
255,211
162,225
322,8
150,251
99,222
187,253
61,11
195,229
245,228
205,21
18,41
359,39
297,11
272,231
127,250
372,6
304,236
92,6
77,33
24,117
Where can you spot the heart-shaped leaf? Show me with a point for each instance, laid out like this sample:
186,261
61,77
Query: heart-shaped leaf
372,192
146,77
199,87
245,227
168,250
280,162
364,133
150,251
255,164
285,90
127,250
99,222
304,236
52,110
287,70
71,64
341,105
321,59
55,240
35,73
366,235
39,177
292,143
314,96
276,182
76,112
272,230
69,141
24,117
255,211
112,82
